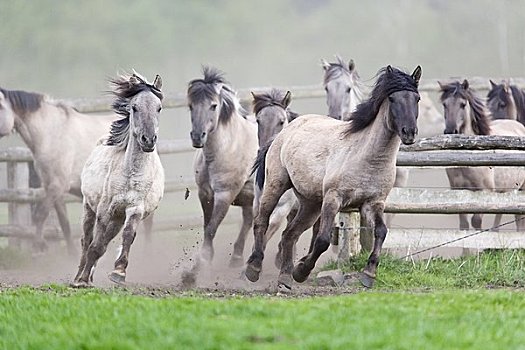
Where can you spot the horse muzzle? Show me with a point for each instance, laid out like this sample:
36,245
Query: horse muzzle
197,140
408,135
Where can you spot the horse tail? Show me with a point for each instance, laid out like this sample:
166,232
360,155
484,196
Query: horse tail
260,163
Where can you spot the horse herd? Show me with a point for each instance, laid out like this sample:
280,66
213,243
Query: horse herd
278,167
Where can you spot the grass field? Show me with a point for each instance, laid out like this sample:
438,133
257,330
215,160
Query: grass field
454,304
60,318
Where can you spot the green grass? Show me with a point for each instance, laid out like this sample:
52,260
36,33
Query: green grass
62,318
492,268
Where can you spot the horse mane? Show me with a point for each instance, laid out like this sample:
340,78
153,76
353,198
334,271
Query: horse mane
274,97
124,91
519,101
206,89
23,102
386,84
480,115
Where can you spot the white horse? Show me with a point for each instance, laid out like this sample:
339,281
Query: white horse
123,178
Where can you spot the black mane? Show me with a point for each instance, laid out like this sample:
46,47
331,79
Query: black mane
23,102
274,97
386,84
124,91
203,89
519,101
480,116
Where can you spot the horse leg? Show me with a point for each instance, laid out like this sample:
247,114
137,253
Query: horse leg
221,204
61,209
373,212
206,200
41,213
273,191
147,225
330,208
463,222
476,221
307,215
88,223
289,218
133,217
105,231
497,222
238,248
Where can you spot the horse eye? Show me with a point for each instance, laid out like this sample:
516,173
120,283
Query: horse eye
281,122
326,89
190,107
160,109
502,105
348,90
390,99
462,105
134,109
213,107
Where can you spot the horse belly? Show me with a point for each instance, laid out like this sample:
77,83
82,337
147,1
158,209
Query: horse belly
508,178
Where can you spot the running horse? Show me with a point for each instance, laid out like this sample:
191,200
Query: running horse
60,139
333,165
226,145
123,178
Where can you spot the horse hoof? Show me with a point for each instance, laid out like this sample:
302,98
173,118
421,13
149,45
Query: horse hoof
80,284
117,277
285,281
189,279
252,273
300,272
366,280
236,261
283,289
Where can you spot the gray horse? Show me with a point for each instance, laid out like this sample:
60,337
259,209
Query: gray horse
334,165
227,147
465,113
123,178
506,101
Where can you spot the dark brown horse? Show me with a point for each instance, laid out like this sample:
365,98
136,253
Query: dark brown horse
506,101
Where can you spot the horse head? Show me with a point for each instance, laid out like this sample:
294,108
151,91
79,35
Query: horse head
211,101
403,108
339,80
500,101
7,115
271,113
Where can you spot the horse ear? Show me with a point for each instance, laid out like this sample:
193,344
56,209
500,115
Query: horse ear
253,95
389,69
157,83
325,64
351,65
464,85
441,85
416,74
492,84
287,99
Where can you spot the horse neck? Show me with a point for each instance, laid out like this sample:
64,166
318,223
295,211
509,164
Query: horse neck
33,127
356,96
222,140
379,143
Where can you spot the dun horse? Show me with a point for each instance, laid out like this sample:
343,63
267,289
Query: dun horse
333,165
60,140
123,178
466,114
506,102
227,147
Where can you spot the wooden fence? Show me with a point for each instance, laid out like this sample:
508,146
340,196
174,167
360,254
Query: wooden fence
441,151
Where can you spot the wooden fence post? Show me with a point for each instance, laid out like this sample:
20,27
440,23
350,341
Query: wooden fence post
19,214
348,236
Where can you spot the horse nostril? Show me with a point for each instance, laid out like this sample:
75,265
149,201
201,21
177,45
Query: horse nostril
144,139
404,130
154,138
203,133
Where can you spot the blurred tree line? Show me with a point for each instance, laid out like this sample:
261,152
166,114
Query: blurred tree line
70,48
